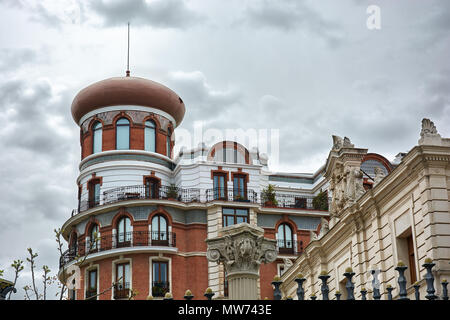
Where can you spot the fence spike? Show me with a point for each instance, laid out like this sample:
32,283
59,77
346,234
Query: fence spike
300,291
376,284
444,284
188,295
416,290
324,287
389,291
363,294
403,294
209,294
429,278
349,285
276,292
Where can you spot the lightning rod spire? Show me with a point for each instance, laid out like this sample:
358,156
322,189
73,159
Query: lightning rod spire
128,54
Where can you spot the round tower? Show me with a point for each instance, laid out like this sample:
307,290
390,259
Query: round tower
122,228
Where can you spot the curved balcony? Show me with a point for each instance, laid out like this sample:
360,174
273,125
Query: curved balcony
192,195
137,192
125,240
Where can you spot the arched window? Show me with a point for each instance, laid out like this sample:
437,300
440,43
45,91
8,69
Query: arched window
159,231
93,238
122,134
285,241
97,137
150,136
168,150
124,231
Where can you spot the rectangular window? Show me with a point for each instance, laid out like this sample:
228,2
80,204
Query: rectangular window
220,186
94,193
239,187
232,216
160,275
412,259
91,290
122,287
151,188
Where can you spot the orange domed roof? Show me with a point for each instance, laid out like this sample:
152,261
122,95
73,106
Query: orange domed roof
127,91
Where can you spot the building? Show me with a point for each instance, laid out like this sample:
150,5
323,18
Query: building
403,218
144,213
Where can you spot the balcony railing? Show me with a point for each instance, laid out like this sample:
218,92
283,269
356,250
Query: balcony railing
122,290
237,195
294,201
140,192
91,294
122,240
160,288
283,200
290,247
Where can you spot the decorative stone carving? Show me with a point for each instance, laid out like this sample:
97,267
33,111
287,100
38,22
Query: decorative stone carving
243,251
379,175
287,262
339,143
325,227
313,236
241,248
428,128
429,134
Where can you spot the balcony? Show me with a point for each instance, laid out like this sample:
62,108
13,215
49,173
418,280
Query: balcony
126,240
122,290
231,195
91,294
193,195
160,288
293,201
289,247
138,192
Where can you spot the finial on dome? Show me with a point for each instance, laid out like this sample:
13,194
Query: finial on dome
128,55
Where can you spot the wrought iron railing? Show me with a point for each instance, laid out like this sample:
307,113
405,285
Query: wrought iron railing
139,192
289,247
282,200
291,200
236,195
91,293
122,290
160,288
122,240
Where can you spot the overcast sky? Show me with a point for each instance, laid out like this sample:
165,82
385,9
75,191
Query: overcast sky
308,68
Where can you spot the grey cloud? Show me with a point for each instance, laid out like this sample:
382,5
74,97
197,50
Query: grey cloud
202,101
13,59
289,16
158,14
54,14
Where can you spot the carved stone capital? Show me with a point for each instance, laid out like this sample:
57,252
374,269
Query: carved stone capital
241,248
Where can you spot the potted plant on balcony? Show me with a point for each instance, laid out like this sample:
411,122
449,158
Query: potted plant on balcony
172,192
268,196
320,201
